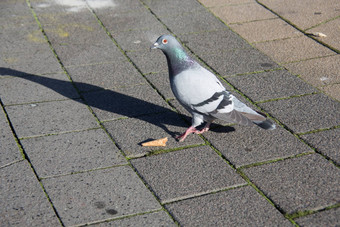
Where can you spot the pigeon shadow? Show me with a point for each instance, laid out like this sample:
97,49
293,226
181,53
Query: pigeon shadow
99,98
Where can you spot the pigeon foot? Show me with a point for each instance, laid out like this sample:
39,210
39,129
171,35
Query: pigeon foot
190,130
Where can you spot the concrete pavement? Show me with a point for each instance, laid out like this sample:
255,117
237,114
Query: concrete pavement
80,91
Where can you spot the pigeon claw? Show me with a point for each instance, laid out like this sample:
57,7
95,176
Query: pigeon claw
190,130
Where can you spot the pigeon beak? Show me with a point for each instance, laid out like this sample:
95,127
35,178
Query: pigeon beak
154,46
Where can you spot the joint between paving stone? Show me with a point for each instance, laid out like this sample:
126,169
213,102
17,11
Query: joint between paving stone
274,160
287,97
118,218
83,171
321,23
196,195
303,213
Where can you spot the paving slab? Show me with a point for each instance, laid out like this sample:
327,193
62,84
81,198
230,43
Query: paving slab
99,195
293,49
306,113
324,218
153,219
162,83
270,85
172,8
242,13
32,61
193,22
239,61
85,54
304,14
72,152
120,21
327,142
237,207
15,14
264,30
22,38
139,40
213,42
10,151
128,101
168,174
19,87
104,75
130,133
319,71
333,35
309,182
213,3
332,90
246,145
23,202
149,62
76,34
50,117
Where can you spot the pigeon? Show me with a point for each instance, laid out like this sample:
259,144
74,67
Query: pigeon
201,93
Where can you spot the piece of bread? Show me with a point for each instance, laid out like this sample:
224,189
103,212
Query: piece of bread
156,143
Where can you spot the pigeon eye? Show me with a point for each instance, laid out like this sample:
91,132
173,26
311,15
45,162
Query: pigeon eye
164,41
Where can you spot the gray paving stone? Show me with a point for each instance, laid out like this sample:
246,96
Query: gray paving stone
72,33
306,183
270,85
237,207
196,21
72,152
11,9
213,42
139,39
130,133
33,61
305,113
19,87
85,54
162,83
153,219
244,145
168,174
121,102
9,149
50,117
111,74
323,218
23,202
99,195
239,61
149,62
21,38
118,21
173,8
327,142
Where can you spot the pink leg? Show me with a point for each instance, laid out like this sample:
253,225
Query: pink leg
186,133
205,129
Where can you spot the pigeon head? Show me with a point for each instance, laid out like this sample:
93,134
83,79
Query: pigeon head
177,58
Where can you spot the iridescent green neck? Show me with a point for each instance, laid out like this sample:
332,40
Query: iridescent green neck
180,53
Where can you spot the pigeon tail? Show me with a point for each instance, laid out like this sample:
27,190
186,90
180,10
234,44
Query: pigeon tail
267,124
